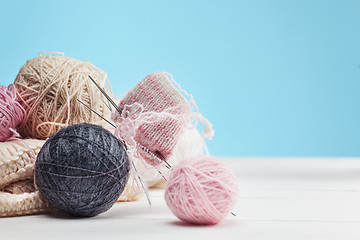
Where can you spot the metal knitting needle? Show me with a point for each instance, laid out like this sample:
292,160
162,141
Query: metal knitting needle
119,111
106,95
162,175
157,156
142,184
107,104
163,159
96,113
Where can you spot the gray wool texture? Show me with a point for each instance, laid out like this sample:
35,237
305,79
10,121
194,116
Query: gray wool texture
82,170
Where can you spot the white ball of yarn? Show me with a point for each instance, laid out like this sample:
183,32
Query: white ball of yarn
190,144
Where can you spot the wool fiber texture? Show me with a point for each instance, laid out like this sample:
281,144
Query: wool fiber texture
18,195
49,86
156,93
82,170
12,114
201,190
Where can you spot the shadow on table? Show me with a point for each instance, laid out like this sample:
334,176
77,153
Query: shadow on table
225,223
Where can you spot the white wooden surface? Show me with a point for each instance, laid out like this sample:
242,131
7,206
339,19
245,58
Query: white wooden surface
279,198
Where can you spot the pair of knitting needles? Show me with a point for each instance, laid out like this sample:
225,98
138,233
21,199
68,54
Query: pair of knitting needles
157,155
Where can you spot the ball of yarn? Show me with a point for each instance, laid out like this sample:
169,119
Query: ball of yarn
189,145
12,114
82,170
201,190
49,86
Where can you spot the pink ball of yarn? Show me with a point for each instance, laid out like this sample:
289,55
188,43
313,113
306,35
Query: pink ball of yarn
12,114
201,190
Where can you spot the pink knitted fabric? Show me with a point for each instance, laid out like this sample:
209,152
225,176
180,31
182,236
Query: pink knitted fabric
156,93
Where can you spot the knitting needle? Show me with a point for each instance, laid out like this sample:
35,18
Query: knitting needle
158,158
96,113
142,184
119,111
162,175
163,159
106,95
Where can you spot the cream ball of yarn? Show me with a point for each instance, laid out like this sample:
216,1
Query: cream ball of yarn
49,86
190,144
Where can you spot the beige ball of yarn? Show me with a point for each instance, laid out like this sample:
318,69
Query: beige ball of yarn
49,86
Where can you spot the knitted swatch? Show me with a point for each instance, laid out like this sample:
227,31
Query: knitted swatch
156,93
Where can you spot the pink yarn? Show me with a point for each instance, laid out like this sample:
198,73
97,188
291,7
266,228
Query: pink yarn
12,114
156,94
201,190
134,117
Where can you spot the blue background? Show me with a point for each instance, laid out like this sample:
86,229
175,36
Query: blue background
276,78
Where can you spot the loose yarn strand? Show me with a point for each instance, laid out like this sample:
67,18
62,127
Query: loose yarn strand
208,131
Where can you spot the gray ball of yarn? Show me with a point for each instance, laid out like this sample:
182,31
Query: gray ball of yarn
82,170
